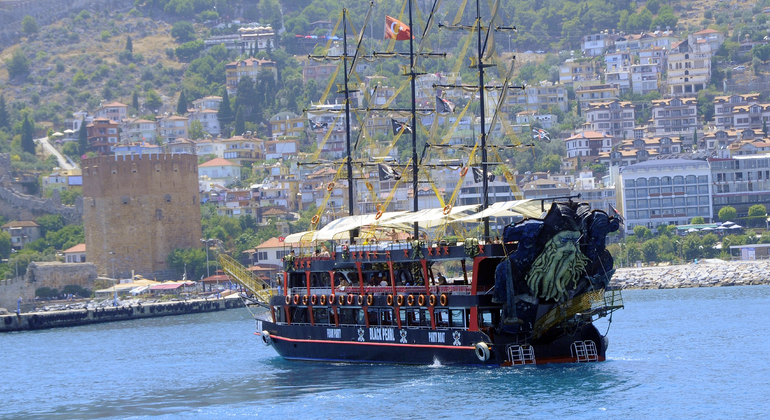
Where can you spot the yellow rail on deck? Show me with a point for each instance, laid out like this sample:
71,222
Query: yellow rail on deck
241,275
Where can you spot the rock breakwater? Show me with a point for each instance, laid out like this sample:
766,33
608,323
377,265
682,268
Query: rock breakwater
707,273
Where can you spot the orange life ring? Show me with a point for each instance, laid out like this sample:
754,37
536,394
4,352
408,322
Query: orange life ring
400,300
447,209
410,300
350,299
464,171
443,299
340,300
304,299
432,300
313,299
330,186
296,299
314,220
378,215
360,300
390,300
288,299
322,300
331,299
369,300
421,300
369,186
379,206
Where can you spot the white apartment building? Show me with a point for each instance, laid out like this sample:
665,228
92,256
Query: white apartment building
644,78
208,119
664,192
614,118
689,67
675,116
596,44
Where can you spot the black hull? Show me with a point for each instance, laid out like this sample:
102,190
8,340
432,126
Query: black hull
359,344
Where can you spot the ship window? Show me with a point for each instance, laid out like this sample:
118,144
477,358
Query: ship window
442,318
279,314
321,316
410,317
299,316
425,319
386,316
373,316
489,318
457,318
352,316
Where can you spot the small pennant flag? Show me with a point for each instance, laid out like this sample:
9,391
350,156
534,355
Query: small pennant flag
318,125
478,175
387,172
540,134
395,29
398,126
443,106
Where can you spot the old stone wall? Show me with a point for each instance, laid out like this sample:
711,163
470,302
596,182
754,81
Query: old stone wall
46,12
17,206
138,209
55,275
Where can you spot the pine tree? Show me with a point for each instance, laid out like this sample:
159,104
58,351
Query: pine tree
5,121
27,140
764,125
82,138
240,124
225,112
251,51
129,44
135,101
181,106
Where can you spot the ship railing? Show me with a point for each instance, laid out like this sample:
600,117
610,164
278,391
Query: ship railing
382,290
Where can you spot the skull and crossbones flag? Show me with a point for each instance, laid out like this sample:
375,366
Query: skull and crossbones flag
398,126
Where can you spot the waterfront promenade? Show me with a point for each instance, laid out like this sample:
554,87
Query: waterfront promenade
85,316
705,273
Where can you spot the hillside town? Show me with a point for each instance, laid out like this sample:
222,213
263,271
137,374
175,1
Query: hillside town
668,126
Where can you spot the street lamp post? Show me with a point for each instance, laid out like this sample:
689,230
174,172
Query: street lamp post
206,241
114,280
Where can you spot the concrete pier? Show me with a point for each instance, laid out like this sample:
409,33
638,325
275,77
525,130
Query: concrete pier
706,273
70,318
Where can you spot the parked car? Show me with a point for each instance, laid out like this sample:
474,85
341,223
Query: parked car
540,52
739,68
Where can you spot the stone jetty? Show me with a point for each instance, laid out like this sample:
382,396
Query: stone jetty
706,273
99,314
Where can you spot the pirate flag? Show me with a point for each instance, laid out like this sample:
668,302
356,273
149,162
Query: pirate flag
387,172
398,126
540,134
478,175
444,106
318,125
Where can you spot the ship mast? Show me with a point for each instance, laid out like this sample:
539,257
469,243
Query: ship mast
484,181
412,75
347,112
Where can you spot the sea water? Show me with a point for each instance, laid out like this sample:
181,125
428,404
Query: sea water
674,354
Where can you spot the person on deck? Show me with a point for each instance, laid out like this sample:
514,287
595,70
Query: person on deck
441,280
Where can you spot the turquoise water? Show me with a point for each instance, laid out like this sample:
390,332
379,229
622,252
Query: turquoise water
674,354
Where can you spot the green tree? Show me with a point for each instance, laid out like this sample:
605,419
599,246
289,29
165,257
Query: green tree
727,213
29,25
697,220
665,18
709,242
50,223
5,244
27,140
18,65
5,120
650,250
152,100
191,261
757,215
642,232
246,97
225,112
240,124
196,130
82,138
762,52
183,31
129,44
666,230
66,237
79,79
135,101
189,50
692,247
181,106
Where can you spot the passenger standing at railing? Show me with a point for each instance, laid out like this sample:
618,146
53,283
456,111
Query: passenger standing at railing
324,251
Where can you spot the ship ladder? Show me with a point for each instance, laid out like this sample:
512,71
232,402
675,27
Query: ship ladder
521,355
240,274
584,351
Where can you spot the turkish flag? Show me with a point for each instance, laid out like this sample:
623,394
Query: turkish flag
395,29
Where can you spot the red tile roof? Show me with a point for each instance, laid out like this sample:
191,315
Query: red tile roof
77,248
218,162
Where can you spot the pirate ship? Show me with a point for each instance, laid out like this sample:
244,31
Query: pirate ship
374,295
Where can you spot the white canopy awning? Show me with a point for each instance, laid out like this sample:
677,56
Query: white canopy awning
527,208
428,218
